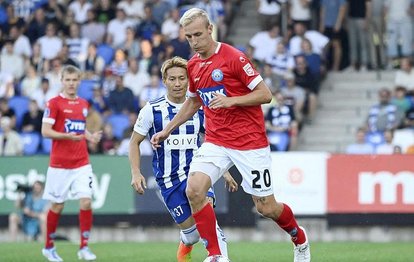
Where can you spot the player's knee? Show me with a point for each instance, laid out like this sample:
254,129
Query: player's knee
195,194
190,238
267,210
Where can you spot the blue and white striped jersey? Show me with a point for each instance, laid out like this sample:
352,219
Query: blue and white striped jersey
171,161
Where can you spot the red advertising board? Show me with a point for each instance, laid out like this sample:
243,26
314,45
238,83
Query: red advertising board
370,184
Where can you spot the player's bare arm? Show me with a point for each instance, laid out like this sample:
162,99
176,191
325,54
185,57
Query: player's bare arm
189,108
260,95
94,137
230,183
137,179
47,131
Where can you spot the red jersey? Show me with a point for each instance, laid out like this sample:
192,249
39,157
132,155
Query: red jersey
67,115
230,73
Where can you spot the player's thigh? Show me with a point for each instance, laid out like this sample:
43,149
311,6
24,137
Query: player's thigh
255,168
83,183
211,160
58,183
176,201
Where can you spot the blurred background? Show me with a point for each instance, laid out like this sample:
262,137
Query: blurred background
341,124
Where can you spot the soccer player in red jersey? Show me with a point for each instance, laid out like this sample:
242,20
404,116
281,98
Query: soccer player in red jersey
231,91
64,121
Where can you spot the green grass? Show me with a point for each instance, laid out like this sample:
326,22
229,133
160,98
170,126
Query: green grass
238,251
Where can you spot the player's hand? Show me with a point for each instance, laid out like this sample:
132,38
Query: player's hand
96,137
220,101
230,183
157,138
75,136
138,183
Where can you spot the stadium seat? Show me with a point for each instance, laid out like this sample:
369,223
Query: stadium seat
46,145
279,139
106,52
85,89
20,105
31,142
119,123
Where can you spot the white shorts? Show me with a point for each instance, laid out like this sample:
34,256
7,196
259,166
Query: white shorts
254,166
62,184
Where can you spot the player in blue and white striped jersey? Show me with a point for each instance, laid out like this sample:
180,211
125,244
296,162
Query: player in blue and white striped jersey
172,160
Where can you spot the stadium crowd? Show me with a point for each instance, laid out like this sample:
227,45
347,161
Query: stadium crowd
120,45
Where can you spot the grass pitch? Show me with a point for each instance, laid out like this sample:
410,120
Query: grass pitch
238,252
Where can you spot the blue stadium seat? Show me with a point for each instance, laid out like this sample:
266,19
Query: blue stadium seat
20,105
46,145
119,123
106,52
85,89
31,142
280,140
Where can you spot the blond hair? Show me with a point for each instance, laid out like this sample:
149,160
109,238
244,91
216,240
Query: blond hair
70,69
191,14
176,61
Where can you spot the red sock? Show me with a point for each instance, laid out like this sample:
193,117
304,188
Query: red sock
206,225
85,225
288,223
51,225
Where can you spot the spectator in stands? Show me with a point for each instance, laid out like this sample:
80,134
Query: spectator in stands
6,85
120,64
21,43
92,30
11,143
121,100
36,59
386,148
332,17
148,25
360,146
5,110
10,62
383,115
269,13
313,60
64,57
272,80
399,28
401,100
160,10
50,44
281,61
31,81
54,11
12,18
281,119
179,46
294,96
117,28
77,45
405,137
105,12
53,75
398,150
377,31
108,143
136,79
31,216
305,79
134,9
264,43
318,40
43,94
359,15
80,9
32,119
404,77
131,45
299,11
93,64
153,91
170,28
37,26
216,12
98,101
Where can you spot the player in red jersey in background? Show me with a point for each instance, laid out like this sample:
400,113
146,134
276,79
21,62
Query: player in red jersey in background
231,91
64,121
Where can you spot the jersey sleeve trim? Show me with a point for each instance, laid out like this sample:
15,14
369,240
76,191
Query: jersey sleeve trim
49,121
191,94
255,82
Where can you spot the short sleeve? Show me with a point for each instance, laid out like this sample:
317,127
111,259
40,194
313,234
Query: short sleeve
144,121
244,70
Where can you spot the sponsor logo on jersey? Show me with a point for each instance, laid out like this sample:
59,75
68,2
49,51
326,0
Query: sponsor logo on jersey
183,141
69,111
206,94
248,69
217,75
77,126
242,59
